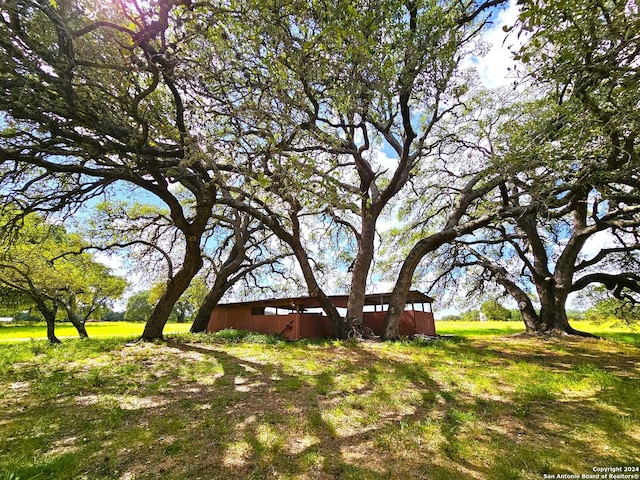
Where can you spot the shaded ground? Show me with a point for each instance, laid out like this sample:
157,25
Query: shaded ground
201,407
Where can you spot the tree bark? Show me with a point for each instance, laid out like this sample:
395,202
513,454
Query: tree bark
79,325
175,288
553,288
77,321
553,313
203,315
192,262
401,289
181,315
49,315
51,335
222,283
361,266
552,318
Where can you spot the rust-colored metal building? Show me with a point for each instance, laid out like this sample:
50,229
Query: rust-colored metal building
302,317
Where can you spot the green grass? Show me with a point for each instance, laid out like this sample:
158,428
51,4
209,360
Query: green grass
35,331
240,405
488,329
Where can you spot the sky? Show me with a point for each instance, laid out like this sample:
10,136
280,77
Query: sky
494,66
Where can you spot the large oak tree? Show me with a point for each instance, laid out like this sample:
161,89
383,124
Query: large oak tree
38,262
341,102
572,161
94,95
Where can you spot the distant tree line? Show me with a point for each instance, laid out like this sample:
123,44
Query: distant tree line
39,273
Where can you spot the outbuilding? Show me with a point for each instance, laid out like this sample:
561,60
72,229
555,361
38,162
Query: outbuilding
302,317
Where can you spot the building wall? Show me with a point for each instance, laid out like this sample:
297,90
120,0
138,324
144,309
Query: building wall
292,326
220,317
411,322
295,326
424,322
240,318
315,325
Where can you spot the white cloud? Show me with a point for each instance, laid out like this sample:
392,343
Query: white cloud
114,262
494,66
384,159
597,242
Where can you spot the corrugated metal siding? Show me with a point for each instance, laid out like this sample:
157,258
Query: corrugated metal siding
407,323
424,323
411,322
315,325
269,324
295,326
373,320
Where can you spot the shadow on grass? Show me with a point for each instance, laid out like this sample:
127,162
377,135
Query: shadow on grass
329,410
314,443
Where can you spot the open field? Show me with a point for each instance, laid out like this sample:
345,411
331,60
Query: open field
235,406
611,330
36,331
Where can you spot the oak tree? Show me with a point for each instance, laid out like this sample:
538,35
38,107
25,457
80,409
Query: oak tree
574,157
38,261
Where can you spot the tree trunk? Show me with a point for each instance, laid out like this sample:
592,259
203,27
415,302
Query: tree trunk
210,301
361,266
529,317
427,245
175,288
528,312
77,321
223,283
552,318
49,315
51,336
401,289
79,324
553,314
553,288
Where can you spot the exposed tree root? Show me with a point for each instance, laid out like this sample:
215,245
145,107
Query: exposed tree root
159,339
556,333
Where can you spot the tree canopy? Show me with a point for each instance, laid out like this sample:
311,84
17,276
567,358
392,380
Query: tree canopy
39,267
256,131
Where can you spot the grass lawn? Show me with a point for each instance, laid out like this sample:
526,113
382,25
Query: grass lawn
611,330
233,406
35,331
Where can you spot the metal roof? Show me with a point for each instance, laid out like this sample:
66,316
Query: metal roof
414,296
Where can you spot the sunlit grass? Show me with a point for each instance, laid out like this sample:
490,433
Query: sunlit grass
36,331
10,331
612,330
237,405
